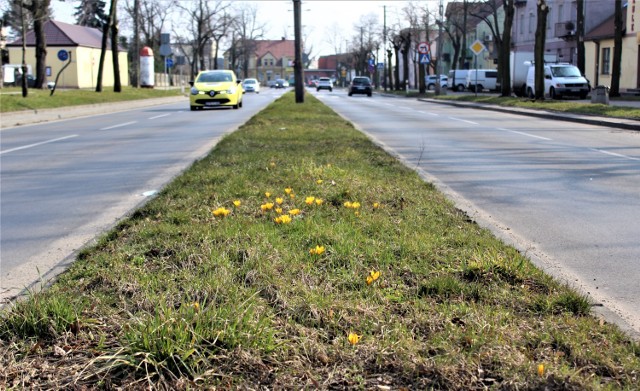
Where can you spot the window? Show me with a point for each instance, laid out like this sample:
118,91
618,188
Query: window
521,24
532,23
606,60
560,9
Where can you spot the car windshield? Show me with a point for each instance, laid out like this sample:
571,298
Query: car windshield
214,77
565,72
249,81
361,80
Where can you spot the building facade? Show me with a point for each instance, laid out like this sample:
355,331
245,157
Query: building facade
599,44
268,61
83,45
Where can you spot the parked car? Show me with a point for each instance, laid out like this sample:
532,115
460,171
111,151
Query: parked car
31,81
215,88
482,79
431,80
559,80
281,83
360,85
324,83
458,79
251,85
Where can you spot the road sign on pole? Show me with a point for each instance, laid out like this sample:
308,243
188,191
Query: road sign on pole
423,47
424,59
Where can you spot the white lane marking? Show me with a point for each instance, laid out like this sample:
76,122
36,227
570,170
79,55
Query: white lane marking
424,112
464,120
158,116
614,154
40,143
119,125
525,134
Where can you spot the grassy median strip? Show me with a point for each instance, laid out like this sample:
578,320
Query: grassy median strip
298,254
11,98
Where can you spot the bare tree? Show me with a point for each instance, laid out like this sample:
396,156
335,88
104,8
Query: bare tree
487,11
204,16
40,13
247,29
117,86
505,48
335,37
617,50
538,51
148,18
103,50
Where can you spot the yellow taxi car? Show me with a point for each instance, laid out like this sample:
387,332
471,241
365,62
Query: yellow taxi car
215,88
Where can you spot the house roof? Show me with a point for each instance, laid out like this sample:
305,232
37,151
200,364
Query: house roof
64,34
278,48
606,29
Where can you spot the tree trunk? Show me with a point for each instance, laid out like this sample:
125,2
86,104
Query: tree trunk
388,78
541,27
103,50
505,49
41,52
580,35
25,90
617,50
117,87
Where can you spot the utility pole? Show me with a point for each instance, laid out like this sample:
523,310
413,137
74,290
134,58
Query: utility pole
439,67
297,67
136,43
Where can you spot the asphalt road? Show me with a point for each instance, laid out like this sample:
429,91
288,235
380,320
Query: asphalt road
566,194
65,182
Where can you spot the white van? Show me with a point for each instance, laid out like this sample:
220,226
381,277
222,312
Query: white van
458,79
559,80
483,79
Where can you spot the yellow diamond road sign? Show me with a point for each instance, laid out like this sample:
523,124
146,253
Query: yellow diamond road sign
477,47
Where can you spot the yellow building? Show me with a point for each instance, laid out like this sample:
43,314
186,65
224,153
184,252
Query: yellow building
599,44
83,45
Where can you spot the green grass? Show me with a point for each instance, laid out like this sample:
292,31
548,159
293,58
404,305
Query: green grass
11,98
177,298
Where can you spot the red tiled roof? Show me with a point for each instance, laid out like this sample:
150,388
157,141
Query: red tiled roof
64,34
278,48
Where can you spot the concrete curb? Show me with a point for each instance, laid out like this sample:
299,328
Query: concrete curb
28,117
620,123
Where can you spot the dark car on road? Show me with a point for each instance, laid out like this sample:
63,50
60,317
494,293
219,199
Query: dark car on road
360,85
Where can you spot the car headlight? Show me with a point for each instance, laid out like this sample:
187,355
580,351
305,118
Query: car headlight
230,91
194,91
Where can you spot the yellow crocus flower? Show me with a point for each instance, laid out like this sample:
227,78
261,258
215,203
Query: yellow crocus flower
279,200
294,212
267,194
288,190
354,338
319,201
237,203
221,212
309,200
